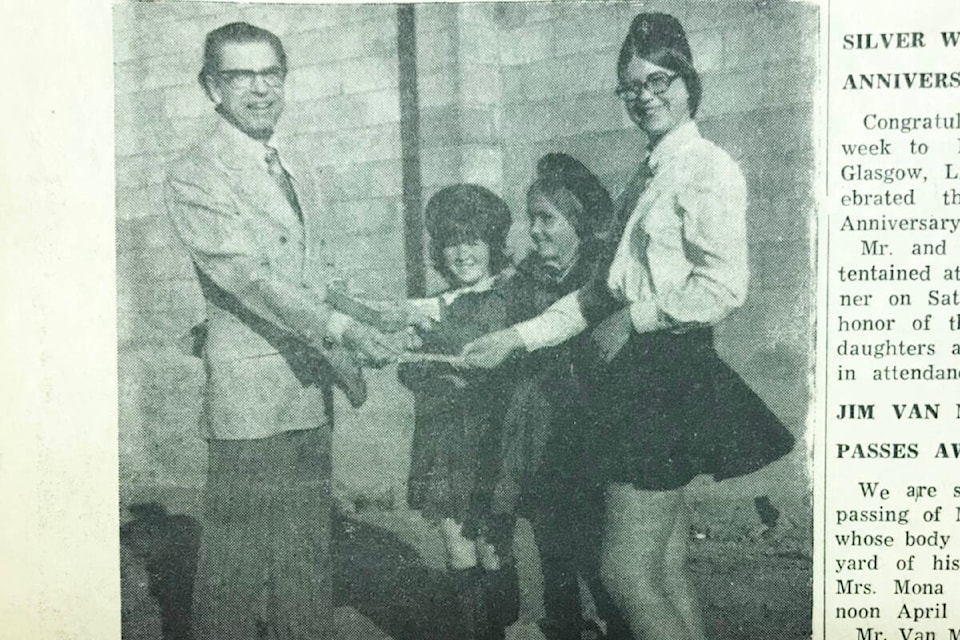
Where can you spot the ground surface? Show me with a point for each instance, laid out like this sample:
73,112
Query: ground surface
390,583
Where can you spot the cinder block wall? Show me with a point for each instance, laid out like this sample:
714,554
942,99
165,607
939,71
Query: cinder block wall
499,85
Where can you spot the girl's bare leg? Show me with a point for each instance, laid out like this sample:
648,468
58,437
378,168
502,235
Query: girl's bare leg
676,575
634,569
461,551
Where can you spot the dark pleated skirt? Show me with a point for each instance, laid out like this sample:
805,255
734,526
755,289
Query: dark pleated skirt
455,459
667,409
264,551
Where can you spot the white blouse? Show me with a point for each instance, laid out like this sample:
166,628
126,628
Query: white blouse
682,258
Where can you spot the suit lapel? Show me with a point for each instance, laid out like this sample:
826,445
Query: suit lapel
259,189
309,186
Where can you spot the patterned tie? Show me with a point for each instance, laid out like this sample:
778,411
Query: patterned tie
283,180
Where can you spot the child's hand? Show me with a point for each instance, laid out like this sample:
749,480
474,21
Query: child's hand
417,317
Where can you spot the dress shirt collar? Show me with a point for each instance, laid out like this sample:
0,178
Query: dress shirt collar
241,148
672,142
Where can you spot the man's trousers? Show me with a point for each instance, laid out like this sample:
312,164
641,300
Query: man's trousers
264,565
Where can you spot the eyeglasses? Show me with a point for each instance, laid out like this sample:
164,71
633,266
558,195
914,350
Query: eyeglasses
244,78
657,84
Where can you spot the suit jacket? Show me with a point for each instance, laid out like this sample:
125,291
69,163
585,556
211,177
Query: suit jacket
262,273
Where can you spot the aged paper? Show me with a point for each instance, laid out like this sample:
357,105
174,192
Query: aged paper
839,113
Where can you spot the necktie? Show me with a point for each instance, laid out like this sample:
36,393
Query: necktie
595,299
628,199
283,180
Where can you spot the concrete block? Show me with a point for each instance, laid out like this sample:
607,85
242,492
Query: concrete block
368,74
363,145
480,125
768,135
480,85
151,265
782,180
127,77
713,13
483,165
545,120
143,326
170,71
436,90
476,13
514,15
732,92
783,265
278,18
313,82
367,216
440,167
789,83
134,203
525,44
435,52
479,42
185,101
513,80
791,36
778,217
299,18
137,172
163,399
439,126
146,232
707,49
133,137
335,114
380,39
432,17
178,36
366,180
162,14
544,80
775,316
366,258
322,45
379,107
558,78
588,28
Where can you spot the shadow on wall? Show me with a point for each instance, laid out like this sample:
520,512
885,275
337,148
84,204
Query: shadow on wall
168,546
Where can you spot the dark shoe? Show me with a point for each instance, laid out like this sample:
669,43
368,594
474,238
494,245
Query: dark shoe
585,630
502,594
553,631
470,609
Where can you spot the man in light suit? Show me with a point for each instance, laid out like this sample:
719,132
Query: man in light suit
250,220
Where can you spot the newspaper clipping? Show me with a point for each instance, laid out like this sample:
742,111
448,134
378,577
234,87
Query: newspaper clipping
892,354
484,321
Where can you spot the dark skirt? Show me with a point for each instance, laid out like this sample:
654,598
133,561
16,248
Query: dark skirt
667,409
455,454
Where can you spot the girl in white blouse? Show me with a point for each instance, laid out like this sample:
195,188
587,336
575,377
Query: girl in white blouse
661,406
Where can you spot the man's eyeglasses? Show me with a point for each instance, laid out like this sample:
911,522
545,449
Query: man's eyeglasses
657,84
244,78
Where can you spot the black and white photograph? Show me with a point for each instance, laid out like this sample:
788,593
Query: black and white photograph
466,321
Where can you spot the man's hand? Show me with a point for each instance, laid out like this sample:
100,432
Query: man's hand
492,350
377,349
